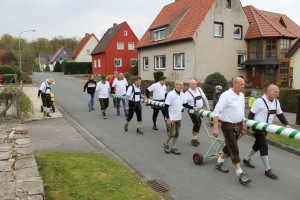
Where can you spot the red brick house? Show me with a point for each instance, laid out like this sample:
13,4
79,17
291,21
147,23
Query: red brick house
115,51
269,37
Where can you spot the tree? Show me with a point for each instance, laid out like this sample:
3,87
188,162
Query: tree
212,81
27,59
135,70
47,68
57,67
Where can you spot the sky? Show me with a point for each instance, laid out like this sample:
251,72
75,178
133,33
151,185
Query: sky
74,18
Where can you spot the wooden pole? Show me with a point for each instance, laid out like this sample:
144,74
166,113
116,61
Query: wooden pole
298,111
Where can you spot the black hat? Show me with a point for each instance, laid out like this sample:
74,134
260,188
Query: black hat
103,77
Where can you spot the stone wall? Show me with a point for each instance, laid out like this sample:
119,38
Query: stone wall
19,176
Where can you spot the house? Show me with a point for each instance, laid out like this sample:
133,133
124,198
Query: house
44,60
294,56
82,52
61,55
115,51
194,38
269,38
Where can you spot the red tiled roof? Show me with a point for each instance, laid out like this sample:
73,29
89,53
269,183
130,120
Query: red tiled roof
267,24
56,54
194,13
81,44
107,38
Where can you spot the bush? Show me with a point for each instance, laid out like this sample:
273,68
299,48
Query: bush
77,68
289,99
47,68
135,70
25,78
129,77
8,78
8,69
157,75
57,67
212,81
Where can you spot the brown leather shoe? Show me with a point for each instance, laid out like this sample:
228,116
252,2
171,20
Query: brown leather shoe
194,142
48,115
221,168
166,148
248,163
270,174
175,151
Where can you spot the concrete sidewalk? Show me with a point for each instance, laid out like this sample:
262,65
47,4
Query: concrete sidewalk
57,135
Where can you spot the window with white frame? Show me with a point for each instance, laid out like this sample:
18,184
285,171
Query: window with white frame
241,59
125,33
118,62
159,34
145,63
218,29
133,61
130,45
238,31
99,63
159,62
120,45
95,63
178,61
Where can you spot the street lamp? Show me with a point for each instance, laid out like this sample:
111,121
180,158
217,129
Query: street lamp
20,47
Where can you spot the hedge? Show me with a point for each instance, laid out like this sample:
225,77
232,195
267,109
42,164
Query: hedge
7,69
77,67
157,75
212,81
289,99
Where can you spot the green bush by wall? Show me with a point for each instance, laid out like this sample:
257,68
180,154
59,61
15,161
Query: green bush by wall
7,69
289,99
77,67
212,81
157,75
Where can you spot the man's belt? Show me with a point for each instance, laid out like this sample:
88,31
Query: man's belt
233,124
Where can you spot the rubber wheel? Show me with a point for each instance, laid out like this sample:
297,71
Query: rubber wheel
53,108
198,159
42,108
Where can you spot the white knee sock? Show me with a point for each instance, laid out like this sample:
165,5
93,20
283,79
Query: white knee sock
250,154
265,161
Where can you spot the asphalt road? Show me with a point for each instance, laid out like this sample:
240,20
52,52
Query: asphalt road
186,180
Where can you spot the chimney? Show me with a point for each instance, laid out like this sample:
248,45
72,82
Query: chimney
87,34
115,24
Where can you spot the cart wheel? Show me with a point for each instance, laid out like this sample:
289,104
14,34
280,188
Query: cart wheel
198,159
42,108
53,108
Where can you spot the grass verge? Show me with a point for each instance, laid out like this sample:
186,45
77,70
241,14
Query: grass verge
284,140
83,176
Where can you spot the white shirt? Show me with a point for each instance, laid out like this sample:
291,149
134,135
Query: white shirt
175,102
45,88
159,91
130,93
260,109
231,107
103,89
120,86
195,93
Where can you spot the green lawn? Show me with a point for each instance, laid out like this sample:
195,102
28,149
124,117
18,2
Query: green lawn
92,176
284,140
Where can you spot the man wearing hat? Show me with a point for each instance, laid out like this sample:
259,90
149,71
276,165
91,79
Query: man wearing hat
103,89
44,91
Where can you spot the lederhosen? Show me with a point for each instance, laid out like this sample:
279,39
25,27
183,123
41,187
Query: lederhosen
196,119
232,132
46,98
260,136
135,106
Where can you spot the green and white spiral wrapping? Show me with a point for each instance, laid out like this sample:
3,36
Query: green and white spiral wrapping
270,128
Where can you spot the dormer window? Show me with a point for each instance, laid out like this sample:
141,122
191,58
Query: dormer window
228,3
159,34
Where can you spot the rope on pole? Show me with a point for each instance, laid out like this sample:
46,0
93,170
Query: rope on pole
270,128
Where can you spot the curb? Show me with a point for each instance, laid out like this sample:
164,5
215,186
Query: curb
284,147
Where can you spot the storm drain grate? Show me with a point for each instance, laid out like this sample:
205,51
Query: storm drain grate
159,186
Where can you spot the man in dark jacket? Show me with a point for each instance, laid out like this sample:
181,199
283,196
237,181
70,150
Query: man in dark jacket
90,86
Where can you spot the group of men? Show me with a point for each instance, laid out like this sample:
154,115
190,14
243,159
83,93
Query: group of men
229,110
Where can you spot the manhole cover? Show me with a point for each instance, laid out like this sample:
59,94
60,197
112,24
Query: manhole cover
159,186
